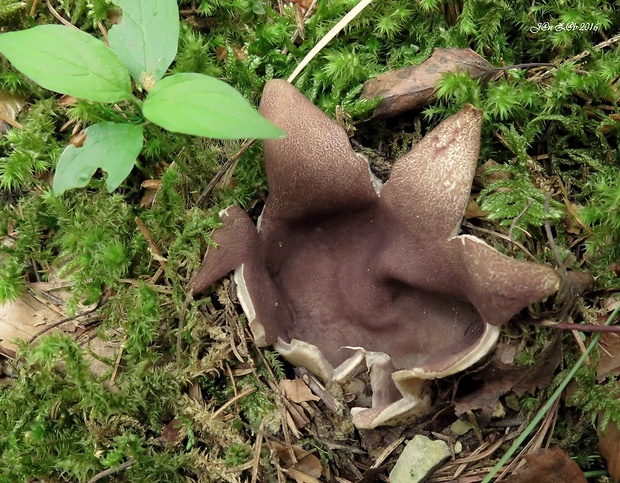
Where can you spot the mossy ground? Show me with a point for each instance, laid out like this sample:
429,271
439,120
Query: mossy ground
188,397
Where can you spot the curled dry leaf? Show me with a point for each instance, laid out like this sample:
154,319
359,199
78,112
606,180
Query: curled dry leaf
412,87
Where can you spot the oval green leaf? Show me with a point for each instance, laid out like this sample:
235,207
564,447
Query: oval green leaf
147,38
204,106
110,146
68,61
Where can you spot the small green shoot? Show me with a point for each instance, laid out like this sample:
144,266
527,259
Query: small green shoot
143,44
147,39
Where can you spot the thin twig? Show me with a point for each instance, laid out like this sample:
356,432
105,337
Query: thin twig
257,450
155,251
229,164
110,471
590,328
10,121
554,248
188,299
503,237
33,9
232,401
59,17
66,319
514,222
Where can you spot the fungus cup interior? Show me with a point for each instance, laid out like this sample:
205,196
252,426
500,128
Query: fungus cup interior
344,274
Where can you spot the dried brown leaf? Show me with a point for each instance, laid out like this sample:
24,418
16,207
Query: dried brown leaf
610,356
297,391
307,465
10,106
609,446
548,466
500,378
412,87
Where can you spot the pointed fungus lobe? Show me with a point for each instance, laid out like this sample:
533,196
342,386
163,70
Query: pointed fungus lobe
344,273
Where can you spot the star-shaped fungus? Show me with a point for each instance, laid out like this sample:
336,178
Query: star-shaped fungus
345,273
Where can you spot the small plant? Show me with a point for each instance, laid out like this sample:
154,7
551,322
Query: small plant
141,47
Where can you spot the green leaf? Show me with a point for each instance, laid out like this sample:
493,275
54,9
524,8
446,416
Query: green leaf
147,38
110,146
204,106
69,61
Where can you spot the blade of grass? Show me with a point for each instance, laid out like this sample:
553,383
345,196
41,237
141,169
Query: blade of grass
355,11
556,394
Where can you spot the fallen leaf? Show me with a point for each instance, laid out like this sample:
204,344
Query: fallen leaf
10,106
548,466
307,464
609,446
609,363
27,316
297,391
172,433
414,86
301,477
500,378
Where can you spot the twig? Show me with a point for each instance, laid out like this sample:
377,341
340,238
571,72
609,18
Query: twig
298,30
117,363
110,471
516,219
232,401
590,328
578,57
188,298
257,451
155,251
503,237
11,122
229,164
33,9
66,319
59,17
387,452
554,248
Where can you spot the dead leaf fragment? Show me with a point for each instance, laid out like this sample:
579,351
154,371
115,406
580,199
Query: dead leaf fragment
609,363
10,106
500,378
297,391
307,468
414,86
609,446
548,466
